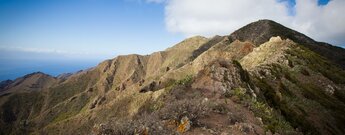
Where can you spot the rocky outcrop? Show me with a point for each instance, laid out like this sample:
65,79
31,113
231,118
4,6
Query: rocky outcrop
220,77
273,51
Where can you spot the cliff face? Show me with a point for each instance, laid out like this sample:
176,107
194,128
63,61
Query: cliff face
263,78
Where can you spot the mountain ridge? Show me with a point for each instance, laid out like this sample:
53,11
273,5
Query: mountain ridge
190,88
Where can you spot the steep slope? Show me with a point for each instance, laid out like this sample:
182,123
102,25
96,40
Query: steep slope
306,88
23,99
127,70
261,31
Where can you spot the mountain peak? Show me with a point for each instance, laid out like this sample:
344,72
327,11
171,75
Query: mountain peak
36,73
261,31
33,81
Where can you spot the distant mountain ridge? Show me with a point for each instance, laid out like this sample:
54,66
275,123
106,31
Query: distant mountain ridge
262,79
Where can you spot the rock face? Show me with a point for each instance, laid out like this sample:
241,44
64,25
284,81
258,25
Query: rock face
219,77
184,126
262,79
269,52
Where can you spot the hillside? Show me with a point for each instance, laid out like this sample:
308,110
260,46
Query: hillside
262,79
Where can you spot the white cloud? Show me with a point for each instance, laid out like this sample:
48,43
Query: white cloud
42,50
15,52
211,17
324,23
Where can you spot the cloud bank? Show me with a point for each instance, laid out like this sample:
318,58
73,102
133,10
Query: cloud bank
31,53
221,17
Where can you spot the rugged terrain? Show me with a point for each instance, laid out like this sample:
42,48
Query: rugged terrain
262,79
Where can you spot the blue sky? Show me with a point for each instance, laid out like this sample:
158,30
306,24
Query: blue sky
78,34
292,3
103,28
320,2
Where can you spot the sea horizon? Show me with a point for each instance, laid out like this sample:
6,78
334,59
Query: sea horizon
11,70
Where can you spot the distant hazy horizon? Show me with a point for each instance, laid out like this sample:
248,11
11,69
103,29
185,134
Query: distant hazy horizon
18,68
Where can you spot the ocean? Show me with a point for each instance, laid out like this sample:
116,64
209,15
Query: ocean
12,69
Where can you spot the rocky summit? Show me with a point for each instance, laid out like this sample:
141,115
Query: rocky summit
262,79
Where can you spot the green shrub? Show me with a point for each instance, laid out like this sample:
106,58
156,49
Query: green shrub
273,121
185,81
239,92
